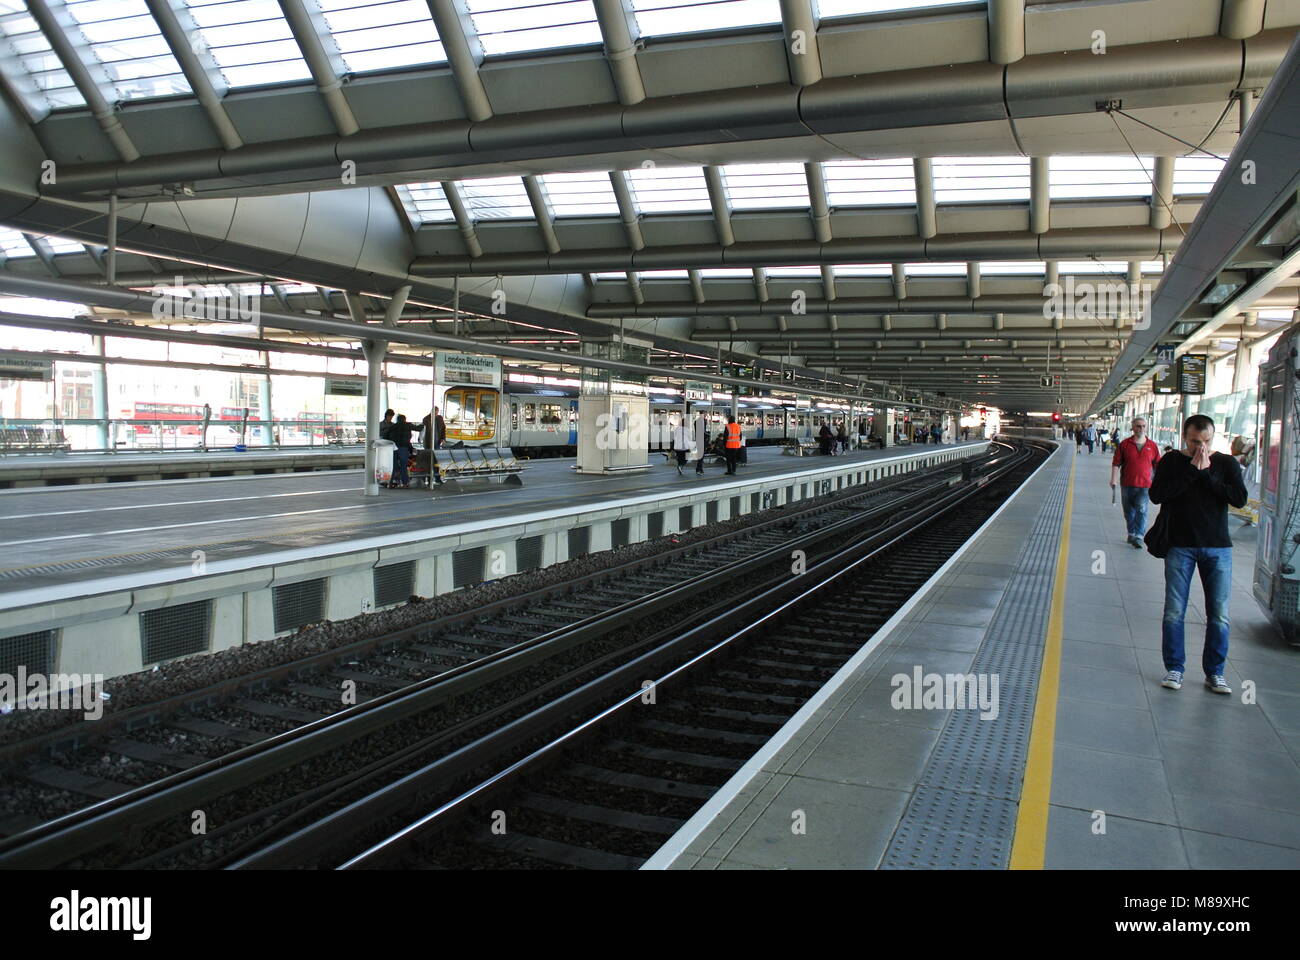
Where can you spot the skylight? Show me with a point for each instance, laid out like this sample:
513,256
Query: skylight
803,271
249,40
669,189
726,273
869,183
127,42
380,34
658,18
64,245
1195,176
611,275
35,56
14,244
848,8
1034,268
935,269
496,198
864,270
663,274
1078,177
425,202
754,186
980,179
1118,267
511,26
580,194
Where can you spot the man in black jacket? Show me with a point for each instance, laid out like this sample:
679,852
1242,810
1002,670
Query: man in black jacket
1195,487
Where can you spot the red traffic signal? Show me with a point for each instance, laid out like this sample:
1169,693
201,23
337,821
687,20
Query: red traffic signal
1056,417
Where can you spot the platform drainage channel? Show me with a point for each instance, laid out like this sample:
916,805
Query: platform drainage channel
963,813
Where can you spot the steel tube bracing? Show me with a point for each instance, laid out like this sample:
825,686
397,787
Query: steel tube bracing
1103,243
50,289
200,81
1041,85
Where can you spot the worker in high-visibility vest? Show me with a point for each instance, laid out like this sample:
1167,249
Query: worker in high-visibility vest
733,444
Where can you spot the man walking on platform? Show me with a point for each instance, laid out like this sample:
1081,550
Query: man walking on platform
1132,468
1195,488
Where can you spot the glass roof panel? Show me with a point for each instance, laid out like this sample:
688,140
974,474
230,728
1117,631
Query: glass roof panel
662,274
1099,176
658,18
1119,267
34,56
512,26
801,271
849,8
864,270
14,244
1195,176
766,186
496,198
250,41
126,41
869,183
580,194
611,275
1033,268
425,202
935,269
381,34
669,189
64,245
980,179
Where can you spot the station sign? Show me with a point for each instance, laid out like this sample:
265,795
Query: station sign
338,387
467,368
699,392
1191,373
18,366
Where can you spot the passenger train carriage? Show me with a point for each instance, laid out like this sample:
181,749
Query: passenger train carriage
1277,557
543,421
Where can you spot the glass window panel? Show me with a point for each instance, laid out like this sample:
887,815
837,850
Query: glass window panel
1080,177
766,185
1094,266
662,274
580,194
64,245
37,59
384,34
126,41
14,244
719,273
426,202
980,179
801,271
250,41
864,270
511,26
869,183
849,8
935,269
496,198
1195,176
664,17
611,275
669,189
1035,268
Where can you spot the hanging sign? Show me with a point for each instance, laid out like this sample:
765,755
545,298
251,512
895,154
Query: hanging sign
17,366
468,368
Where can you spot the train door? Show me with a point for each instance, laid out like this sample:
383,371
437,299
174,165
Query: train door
573,423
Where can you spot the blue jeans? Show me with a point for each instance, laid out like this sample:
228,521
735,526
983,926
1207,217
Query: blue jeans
1215,566
1134,501
401,457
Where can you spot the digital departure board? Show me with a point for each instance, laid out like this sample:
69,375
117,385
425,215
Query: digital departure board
1191,373
1164,380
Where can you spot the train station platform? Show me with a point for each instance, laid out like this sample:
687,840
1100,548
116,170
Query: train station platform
1082,760
20,470
269,554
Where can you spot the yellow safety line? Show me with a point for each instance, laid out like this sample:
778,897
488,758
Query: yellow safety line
1029,849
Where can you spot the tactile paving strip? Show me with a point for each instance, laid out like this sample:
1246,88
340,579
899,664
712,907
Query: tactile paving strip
963,813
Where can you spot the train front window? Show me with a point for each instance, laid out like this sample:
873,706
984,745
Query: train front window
487,413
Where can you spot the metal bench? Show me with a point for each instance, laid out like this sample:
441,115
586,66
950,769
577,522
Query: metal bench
801,447
33,440
460,465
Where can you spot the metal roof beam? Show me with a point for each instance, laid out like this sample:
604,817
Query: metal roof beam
464,54
620,33
324,71
199,76
802,55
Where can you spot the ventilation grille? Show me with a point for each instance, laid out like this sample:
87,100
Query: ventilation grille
755,502
803,491
711,512
33,651
170,632
684,518
655,525
579,542
735,507
789,493
467,566
620,532
528,553
298,604
394,583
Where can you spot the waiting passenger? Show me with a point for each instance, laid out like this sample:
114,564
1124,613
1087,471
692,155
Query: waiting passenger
681,444
400,434
825,439
386,425
1090,436
1132,468
1195,488
701,438
843,437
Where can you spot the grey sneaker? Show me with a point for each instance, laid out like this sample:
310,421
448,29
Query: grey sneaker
1217,684
1173,680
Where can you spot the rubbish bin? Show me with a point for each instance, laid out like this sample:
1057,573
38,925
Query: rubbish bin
384,451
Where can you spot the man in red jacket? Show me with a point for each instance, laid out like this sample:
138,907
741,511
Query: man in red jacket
1132,467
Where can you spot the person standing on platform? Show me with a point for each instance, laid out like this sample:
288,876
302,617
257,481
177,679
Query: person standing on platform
386,425
1078,438
1090,436
826,440
702,440
438,437
400,434
1196,487
1132,468
842,435
936,432
681,444
732,434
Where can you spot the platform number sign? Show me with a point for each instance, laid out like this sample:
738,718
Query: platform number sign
1165,355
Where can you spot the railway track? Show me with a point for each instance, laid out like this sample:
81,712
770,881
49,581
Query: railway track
526,648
